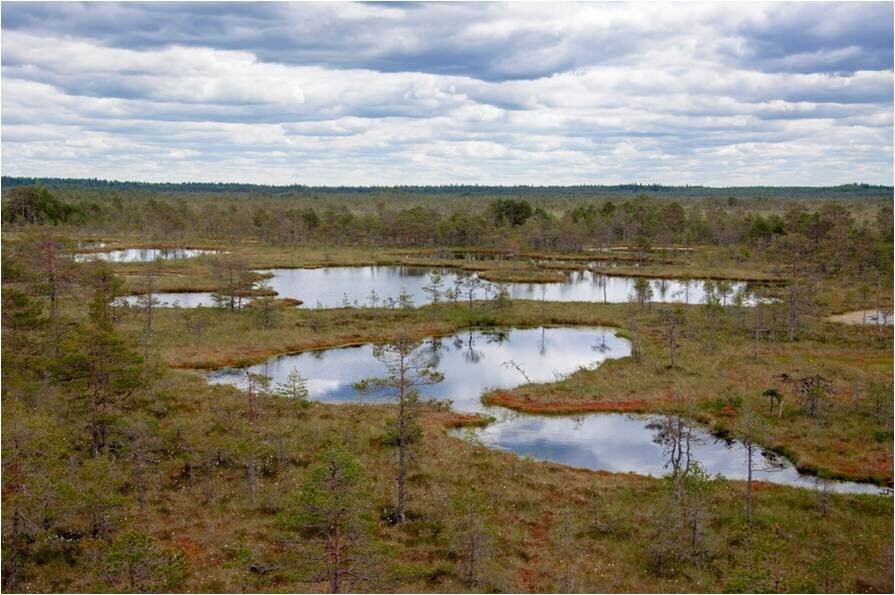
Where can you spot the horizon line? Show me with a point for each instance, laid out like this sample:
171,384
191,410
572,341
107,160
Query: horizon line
44,179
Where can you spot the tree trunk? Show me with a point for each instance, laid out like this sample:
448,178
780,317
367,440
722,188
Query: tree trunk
139,485
793,312
749,449
755,332
149,299
95,523
402,450
251,400
472,557
11,576
252,476
97,429
671,342
335,584
54,301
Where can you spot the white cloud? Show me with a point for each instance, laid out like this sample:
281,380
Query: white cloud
448,94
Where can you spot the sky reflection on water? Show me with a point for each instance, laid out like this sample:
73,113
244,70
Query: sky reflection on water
474,361
630,444
471,361
329,287
191,299
141,254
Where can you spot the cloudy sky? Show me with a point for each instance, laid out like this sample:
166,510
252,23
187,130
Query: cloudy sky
381,93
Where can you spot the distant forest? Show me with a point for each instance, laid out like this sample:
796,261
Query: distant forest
578,191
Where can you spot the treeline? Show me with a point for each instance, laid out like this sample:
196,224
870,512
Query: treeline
577,191
837,235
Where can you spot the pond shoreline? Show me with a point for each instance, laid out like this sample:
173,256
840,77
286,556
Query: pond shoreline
863,317
373,340
478,267
458,418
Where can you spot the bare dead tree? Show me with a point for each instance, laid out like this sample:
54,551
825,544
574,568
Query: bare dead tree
518,368
751,431
673,319
142,443
774,398
148,302
54,271
256,384
757,329
233,279
813,390
676,436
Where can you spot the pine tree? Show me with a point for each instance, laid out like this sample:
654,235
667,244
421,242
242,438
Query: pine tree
97,367
295,388
433,289
332,510
408,369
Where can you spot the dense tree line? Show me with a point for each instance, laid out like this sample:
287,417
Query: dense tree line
839,236
37,205
580,190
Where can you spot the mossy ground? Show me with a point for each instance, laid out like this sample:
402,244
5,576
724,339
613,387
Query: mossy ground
548,527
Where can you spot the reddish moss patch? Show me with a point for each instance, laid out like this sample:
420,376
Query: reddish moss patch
194,552
758,486
509,401
728,411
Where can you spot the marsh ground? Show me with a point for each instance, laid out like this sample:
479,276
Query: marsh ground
542,526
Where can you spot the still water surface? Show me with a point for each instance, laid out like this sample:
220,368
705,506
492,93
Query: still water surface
331,287
475,361
471,361
190,299
377,286
141,254
633,443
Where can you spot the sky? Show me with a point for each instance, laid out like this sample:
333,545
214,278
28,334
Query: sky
720,94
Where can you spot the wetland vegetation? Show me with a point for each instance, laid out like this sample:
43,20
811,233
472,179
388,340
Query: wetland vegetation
514,391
